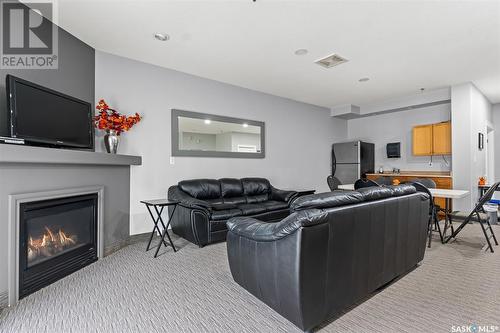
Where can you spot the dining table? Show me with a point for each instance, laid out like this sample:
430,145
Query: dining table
447,194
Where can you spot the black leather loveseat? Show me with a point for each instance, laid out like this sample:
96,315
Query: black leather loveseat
207,204
333,251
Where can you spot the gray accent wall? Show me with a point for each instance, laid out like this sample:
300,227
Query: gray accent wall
298,135
74,76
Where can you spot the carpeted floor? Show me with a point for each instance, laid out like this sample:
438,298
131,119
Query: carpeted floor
192,291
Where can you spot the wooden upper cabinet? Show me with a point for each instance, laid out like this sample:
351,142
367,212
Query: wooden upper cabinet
433,139
422,140
441,138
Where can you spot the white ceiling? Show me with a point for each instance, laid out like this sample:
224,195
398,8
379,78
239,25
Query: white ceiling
401,46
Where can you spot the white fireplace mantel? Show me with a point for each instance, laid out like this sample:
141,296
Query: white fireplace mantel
39,155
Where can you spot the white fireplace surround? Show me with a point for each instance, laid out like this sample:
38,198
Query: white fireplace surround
15,200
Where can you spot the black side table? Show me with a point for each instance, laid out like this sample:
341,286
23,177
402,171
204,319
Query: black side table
158,206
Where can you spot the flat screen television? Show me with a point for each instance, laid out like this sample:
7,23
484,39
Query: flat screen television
40,115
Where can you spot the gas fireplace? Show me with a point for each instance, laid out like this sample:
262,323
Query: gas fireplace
57,237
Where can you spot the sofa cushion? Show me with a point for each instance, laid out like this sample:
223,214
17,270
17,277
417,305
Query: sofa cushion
219,215
403,189
216,201
255,186
375,193
252,209
231,187
274,205
235,200
223,206
201,188
257,198
326,200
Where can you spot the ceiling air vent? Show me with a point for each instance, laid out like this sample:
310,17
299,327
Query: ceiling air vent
331,60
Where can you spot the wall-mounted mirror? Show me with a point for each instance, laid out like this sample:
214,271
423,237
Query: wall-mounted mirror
208,135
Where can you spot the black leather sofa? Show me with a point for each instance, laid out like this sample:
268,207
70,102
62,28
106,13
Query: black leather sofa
207,204
333,251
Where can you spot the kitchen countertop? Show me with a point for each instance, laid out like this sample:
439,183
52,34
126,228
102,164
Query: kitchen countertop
412,174
436,192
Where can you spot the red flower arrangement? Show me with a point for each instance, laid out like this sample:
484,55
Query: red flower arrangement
111,120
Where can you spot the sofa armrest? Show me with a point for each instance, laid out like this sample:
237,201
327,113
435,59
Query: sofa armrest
251,228
254,229
195,204
191,223
282,195
174,193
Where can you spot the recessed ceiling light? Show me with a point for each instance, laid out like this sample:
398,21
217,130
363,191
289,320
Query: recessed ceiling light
245,125
161,36
207,121
364,79
301,52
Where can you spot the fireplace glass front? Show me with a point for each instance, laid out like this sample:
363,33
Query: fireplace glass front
57,237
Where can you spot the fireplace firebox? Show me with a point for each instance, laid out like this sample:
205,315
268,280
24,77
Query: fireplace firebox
57,238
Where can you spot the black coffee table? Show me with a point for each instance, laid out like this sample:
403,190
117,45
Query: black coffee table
158,205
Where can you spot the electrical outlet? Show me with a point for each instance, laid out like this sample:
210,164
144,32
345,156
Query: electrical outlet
172,161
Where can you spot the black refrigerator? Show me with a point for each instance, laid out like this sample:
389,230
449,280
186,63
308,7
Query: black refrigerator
352,160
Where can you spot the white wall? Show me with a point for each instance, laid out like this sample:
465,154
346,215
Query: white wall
460,137
481,116
298,135
491,155
496,126
471,113
397,127
496,136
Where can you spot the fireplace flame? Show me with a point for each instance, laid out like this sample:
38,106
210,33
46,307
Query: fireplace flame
50,234
65,240
49,244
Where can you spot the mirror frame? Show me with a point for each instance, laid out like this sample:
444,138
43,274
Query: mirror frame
203,153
